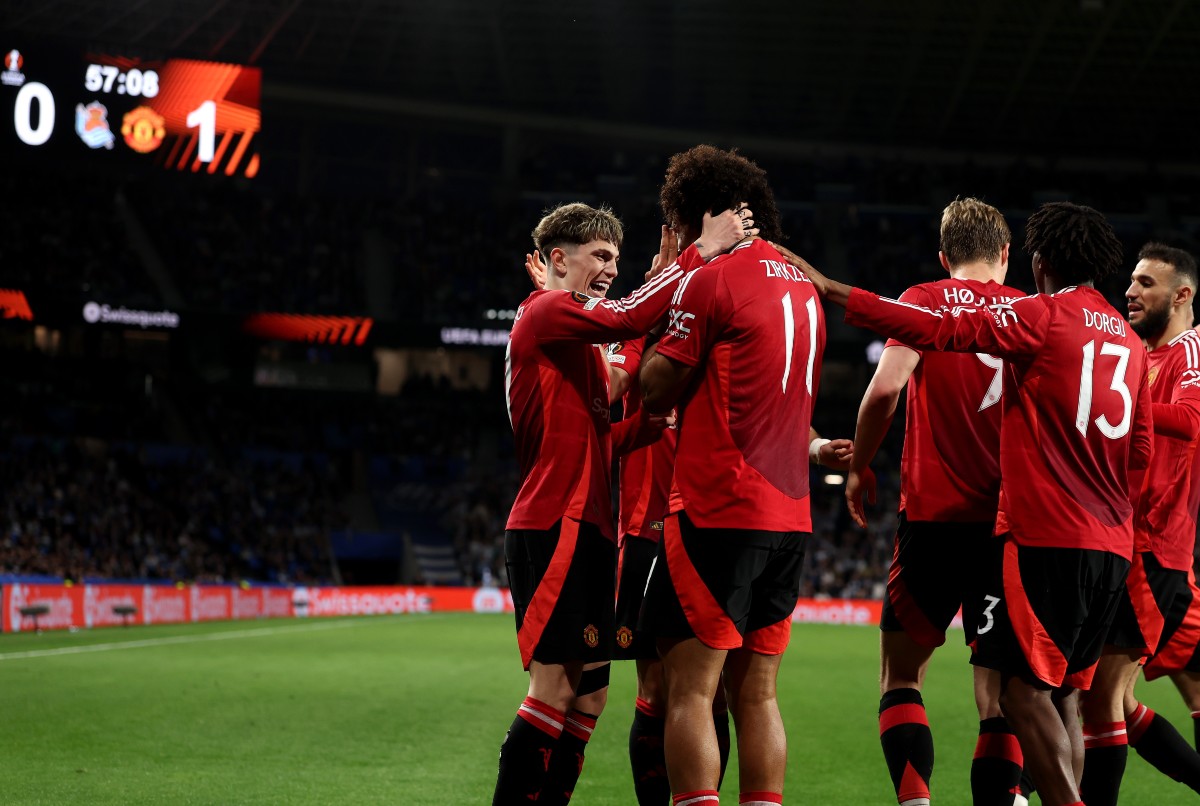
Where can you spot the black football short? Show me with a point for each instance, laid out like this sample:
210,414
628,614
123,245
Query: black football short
730,588
633,572
1178,600
563,582
1047,613
938,567
1138,624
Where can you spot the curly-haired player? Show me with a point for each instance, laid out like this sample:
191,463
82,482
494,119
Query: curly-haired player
740,359
1076,421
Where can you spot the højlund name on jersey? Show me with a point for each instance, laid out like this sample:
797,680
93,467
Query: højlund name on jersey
965,296
787,271
1106,323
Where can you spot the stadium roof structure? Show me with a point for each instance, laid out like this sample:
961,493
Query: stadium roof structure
1097,78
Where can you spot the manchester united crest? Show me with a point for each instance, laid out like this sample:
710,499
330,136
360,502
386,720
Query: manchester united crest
143,129
624,637
591,636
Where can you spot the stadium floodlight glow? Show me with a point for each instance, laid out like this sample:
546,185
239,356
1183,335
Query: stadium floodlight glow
875,351
834,479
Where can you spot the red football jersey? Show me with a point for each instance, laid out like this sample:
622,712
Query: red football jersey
950,469
752,326
1165,522
1076,407
556,382
645,480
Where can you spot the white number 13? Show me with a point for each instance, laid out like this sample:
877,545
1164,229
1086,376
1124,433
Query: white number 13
1083,412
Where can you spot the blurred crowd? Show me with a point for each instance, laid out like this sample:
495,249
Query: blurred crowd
86,509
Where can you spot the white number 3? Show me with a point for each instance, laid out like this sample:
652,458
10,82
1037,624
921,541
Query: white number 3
987,614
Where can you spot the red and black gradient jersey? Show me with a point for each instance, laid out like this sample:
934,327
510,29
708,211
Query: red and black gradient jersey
950,469
1076,412
556,382
645,479
752,326
1165,522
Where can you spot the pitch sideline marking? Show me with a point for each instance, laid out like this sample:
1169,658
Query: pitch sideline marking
193,639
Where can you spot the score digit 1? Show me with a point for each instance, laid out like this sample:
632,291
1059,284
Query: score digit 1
205,117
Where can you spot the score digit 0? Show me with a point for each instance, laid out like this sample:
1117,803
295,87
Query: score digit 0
22,112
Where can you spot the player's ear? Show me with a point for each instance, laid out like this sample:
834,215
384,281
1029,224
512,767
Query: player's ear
1004,254
944,260
558,260
1184,294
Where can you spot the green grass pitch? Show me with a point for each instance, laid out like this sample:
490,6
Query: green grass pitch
411,710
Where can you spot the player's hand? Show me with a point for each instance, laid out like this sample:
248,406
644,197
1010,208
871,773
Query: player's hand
836,454
651,426
719,234
536,269
661,422
858,485
820,281
668,252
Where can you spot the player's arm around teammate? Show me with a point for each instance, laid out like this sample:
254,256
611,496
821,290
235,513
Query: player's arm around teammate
1065,508
559,540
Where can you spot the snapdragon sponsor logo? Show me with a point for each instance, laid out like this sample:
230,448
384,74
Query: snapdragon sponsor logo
96,313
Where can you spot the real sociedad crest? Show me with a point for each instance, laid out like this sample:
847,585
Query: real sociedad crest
91,124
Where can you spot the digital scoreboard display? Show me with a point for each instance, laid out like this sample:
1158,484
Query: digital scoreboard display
180,114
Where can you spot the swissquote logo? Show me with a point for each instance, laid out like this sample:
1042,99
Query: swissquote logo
12,75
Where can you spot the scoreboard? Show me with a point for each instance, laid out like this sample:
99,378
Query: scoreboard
180,114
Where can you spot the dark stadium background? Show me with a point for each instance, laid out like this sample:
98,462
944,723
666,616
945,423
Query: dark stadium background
407,150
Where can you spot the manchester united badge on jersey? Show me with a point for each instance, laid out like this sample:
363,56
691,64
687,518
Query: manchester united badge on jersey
624,637
580,297
591,636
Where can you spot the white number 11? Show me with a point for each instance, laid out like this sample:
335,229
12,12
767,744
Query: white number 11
789,337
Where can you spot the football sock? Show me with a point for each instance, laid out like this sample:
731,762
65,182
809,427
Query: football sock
996,770
1157,741
1105,749
1027,785
760,798
526,753
721,723
907,744
701,797
567,762
646,755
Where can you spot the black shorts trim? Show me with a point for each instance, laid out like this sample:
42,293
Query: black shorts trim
636,557
937,568
1048,612
563,581
731,588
